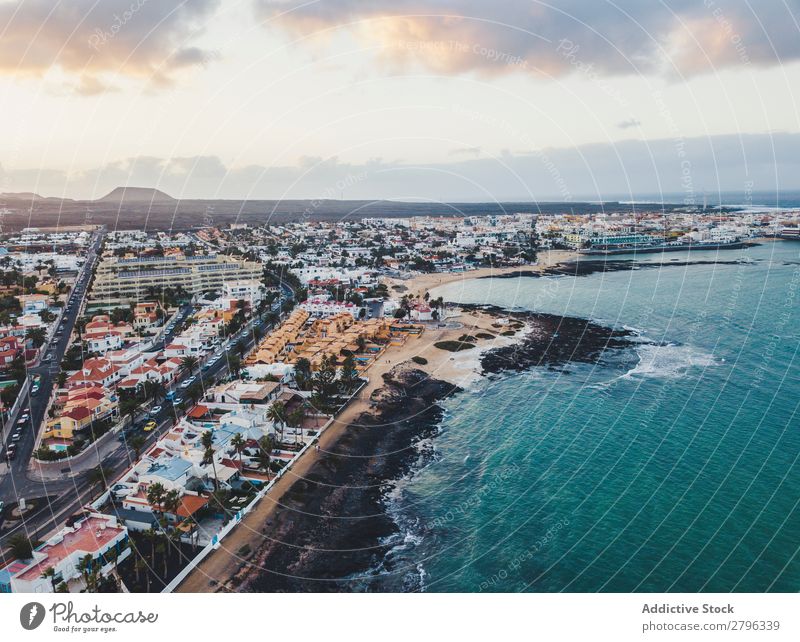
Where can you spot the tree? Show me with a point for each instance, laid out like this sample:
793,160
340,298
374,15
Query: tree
128,408
361,342
234,365
238,442
207,441
295,420
324,382
89,572
99,476
155,496
264,450
302,372
277,414
240,347
37,336
136,443
50,573
188,364
348,377
195,392
21,547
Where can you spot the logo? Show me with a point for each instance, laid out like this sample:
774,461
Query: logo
31,616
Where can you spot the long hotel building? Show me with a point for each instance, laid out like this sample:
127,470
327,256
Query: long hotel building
120,281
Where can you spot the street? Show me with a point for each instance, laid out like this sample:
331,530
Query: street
68,488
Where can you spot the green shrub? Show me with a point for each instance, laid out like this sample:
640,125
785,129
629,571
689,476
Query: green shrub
453,346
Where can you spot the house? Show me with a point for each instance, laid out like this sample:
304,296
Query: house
146,316
99,537
99,370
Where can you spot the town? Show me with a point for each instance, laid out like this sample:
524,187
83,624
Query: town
154,386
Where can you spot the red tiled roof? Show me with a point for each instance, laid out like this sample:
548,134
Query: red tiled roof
197,412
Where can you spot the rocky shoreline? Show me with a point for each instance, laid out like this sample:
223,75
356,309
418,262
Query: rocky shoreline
331,524
585,267
552,341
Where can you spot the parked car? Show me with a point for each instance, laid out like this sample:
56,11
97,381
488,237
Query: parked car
11,452
177,401
150,425
35,389
155,410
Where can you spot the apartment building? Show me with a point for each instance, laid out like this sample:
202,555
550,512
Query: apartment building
120,281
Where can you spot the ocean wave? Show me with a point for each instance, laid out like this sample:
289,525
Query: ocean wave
668,361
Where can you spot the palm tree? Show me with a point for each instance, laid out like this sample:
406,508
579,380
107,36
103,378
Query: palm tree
207,440
296,418
155,496
158,391
240,347
21,547
238,442
263,456
277,414
136,443
50,572
188,364
234,365
99,476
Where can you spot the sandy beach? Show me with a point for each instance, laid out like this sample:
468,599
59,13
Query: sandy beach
418,285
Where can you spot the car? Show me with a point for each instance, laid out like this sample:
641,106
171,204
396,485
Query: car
48,357
11,452
186,384
16,436
207,365
177,401
155,410
35,390
150,425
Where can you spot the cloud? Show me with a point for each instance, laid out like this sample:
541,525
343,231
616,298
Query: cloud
89,40
527,36
627,124
761,162
465,151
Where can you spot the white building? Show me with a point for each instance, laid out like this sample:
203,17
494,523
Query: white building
249,290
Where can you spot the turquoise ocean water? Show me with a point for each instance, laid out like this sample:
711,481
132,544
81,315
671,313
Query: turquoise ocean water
671,468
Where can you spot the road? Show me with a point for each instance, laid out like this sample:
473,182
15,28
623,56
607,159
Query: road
74,491
13,479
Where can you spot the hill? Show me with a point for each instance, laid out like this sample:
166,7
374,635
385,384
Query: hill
136,195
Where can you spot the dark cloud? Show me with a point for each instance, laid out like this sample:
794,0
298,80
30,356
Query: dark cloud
88,39
634,167
557,37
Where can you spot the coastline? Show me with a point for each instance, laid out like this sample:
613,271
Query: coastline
444,373
324,525
422,283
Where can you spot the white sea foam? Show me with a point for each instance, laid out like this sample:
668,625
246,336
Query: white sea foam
668,361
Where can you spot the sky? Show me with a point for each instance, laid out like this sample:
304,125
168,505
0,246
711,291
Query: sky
397,99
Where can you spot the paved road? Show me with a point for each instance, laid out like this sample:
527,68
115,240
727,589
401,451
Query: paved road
74,491
15,484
